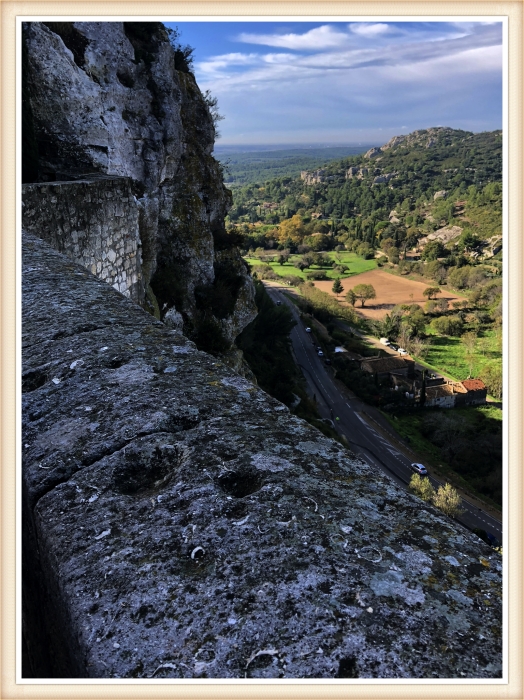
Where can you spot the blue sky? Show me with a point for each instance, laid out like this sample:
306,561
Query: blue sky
293,83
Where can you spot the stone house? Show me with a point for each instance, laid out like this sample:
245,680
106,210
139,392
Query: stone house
470,392
383,367
476,392
442,396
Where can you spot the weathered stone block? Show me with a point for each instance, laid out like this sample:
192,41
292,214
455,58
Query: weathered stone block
179,522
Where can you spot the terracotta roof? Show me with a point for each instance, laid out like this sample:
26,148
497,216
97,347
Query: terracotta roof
435,392
473,384
385,364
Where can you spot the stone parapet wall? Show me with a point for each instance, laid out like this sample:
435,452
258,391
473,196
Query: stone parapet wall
178,522
94,222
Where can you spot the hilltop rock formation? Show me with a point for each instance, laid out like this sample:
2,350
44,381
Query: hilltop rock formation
422,137
116,99
179,523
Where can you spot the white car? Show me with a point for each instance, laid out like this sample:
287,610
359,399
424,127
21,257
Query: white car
419,469
308,330
401,351
320,353
384,341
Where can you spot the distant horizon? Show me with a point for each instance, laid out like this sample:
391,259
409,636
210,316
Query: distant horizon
288,146
221,145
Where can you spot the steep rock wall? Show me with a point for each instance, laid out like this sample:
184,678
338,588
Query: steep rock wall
179,522
107,98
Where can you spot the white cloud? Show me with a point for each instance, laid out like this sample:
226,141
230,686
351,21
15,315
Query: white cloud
227,60
365,29
351,83
319,38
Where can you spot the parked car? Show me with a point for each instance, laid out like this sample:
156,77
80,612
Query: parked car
401,351
384,341
320,353
327,361
419,469
308,330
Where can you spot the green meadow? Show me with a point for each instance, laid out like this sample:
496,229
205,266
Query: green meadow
448,355
352,263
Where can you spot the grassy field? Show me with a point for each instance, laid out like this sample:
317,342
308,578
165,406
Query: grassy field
354,262
462,445
447,354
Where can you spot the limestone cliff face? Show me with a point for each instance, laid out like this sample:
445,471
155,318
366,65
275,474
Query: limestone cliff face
108,98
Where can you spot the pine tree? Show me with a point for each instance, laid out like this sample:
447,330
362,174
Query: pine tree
337,287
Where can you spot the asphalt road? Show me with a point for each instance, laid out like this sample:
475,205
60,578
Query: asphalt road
366,435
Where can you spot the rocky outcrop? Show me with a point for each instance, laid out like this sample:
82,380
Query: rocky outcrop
315,177
386,177
179,522
444,234
373,152
426,138
113,99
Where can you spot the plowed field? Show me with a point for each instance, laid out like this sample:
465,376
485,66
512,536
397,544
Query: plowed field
391,290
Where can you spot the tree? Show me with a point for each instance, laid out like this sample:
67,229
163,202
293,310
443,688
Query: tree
423,389
433,250
415,319
292,229
443,305
351,297
448,325
447,500
468,241
431,292
390,324
364,292
421,487
337,287
491,375
469,340
418,348
436,271
430,307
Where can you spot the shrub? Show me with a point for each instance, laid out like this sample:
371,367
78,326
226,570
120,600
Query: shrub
447,500
293,281
448,325
208,335
316,275
491,375
421,487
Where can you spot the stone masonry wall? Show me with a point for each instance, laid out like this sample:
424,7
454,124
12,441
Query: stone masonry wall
178,522
92,221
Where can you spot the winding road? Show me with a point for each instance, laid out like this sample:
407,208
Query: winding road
368,433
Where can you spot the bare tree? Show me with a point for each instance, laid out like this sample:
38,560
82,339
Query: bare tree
469,340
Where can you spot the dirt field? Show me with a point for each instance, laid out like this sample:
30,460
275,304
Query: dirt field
390,289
